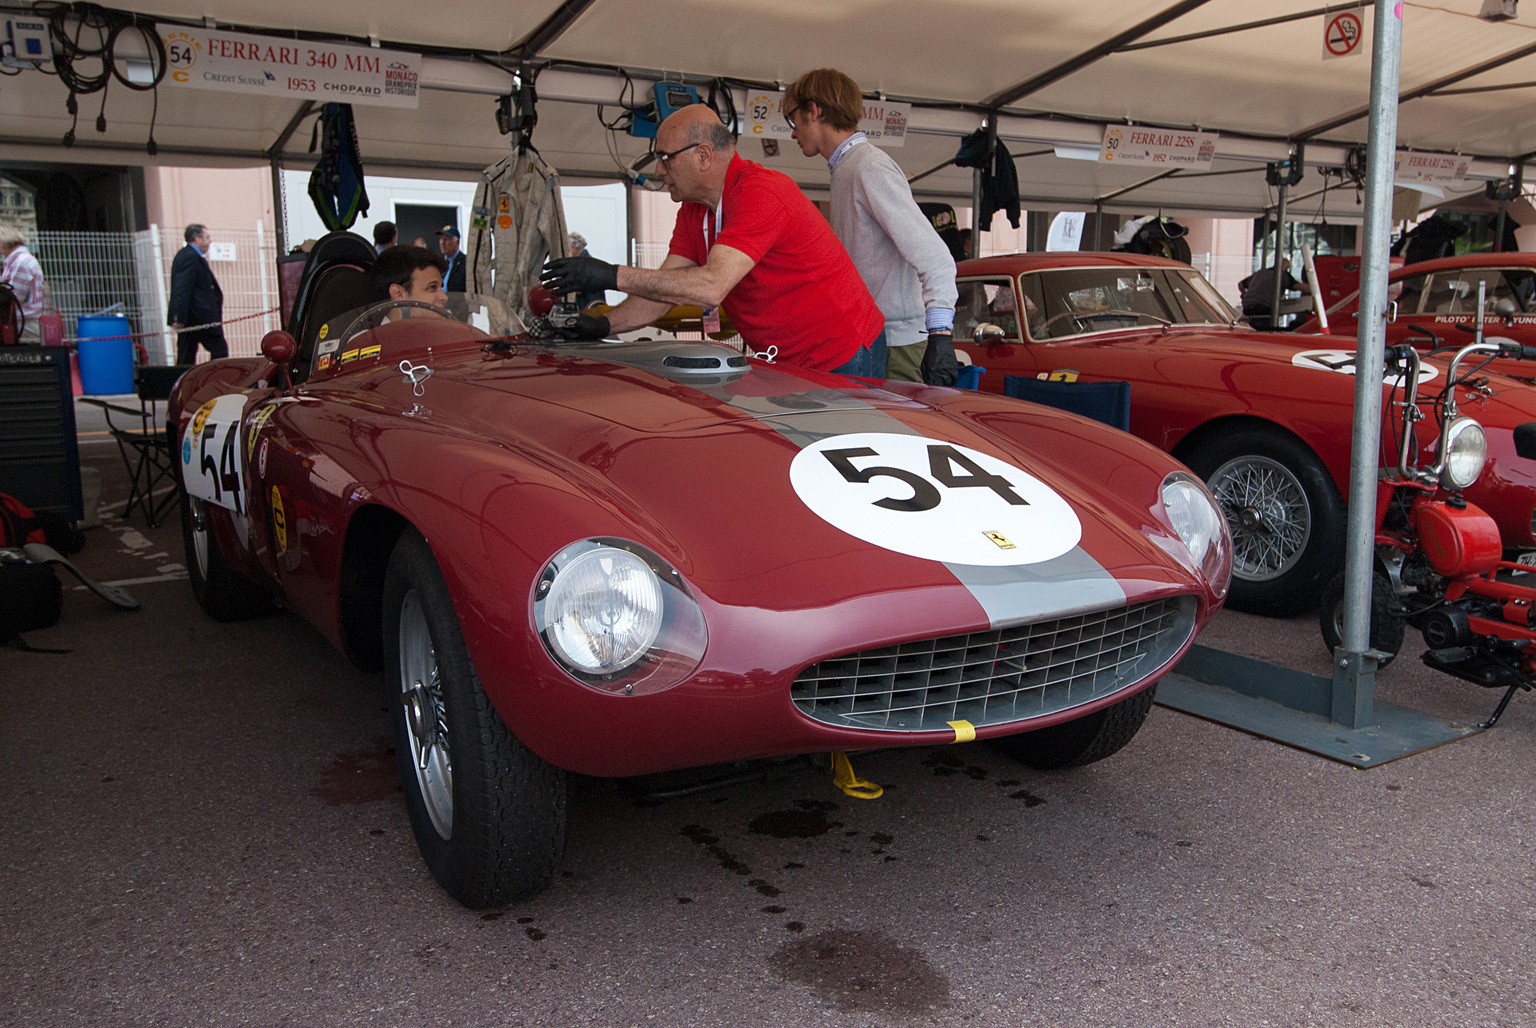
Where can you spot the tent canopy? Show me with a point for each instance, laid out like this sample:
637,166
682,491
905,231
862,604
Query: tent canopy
1053,73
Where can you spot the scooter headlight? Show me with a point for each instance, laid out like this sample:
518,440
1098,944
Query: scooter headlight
1197,519
1466,451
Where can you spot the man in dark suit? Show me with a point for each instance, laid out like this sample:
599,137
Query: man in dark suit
448,243
196,299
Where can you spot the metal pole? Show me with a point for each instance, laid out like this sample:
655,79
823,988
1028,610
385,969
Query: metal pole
1354,666
1264,241
1498,232
168,338
279,221
976,212
1279,290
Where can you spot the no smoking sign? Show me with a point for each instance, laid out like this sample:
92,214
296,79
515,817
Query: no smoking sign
1342,33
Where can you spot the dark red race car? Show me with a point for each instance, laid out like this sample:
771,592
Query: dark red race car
621,558
1437,304
1266,419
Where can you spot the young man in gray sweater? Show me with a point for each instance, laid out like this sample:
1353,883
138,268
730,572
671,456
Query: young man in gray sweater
907,267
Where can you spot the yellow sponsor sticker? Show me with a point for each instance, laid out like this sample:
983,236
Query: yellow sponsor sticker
259,419
325,330
1000,540
369,351
350,355
201,418
1063,375
279,520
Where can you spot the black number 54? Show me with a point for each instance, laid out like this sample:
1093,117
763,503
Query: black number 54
942,462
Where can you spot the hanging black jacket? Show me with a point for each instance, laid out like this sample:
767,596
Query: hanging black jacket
999,183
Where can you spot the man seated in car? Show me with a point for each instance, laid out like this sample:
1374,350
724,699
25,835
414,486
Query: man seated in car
409,273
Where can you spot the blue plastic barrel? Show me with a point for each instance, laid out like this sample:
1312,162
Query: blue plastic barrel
106,354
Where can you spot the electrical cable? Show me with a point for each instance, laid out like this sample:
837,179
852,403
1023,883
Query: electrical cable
69,24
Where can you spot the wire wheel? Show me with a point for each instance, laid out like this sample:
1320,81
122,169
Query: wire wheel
1268,512
425,717
198,536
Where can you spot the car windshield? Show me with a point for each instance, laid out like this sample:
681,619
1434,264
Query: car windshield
1079,301
485,313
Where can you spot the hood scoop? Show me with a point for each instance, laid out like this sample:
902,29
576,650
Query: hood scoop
705,364
695,363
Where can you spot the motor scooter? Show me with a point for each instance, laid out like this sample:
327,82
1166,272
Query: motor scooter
1439,559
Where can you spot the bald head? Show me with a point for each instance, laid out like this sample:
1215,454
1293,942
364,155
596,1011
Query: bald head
696,123
701,149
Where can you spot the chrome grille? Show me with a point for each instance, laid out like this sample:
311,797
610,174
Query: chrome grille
994,677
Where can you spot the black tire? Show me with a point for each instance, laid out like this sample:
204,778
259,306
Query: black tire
222,591
1075,743
1286,517
1388,624
489,815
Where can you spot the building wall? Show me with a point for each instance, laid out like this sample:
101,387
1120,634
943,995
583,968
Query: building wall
235,198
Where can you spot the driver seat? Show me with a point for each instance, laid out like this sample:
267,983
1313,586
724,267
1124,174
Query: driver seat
339,289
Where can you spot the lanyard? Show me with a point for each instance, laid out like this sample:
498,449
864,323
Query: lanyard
719,220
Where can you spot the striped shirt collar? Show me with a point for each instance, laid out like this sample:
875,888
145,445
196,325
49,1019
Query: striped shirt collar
844,147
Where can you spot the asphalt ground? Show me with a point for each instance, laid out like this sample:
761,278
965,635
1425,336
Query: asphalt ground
203,827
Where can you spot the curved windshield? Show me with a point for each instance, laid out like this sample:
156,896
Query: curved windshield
485,313
1078,301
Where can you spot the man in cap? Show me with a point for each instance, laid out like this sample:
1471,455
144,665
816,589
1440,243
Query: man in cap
448,244
578,246
747,240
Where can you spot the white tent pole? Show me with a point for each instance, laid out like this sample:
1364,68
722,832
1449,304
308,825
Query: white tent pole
1354,669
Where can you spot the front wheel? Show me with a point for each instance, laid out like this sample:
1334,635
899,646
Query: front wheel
222,591
1286,517
1075,743
1387,622
488,814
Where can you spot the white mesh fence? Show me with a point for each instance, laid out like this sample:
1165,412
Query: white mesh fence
129,273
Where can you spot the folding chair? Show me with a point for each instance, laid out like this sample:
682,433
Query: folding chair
144,444
1109,402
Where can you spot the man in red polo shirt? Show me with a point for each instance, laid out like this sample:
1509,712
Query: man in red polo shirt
748,240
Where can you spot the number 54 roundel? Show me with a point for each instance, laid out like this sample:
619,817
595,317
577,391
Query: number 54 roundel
212,461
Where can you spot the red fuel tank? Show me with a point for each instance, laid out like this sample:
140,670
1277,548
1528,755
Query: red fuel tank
1457,541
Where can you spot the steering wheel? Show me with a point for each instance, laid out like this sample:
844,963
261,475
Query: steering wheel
1043,329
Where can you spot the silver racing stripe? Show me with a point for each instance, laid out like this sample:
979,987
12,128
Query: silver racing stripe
1069,584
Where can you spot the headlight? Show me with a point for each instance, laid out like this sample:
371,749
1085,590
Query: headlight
1466,451
1200,525
617,617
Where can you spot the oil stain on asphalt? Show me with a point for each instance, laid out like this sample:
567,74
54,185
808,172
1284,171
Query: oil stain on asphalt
863,971
357,778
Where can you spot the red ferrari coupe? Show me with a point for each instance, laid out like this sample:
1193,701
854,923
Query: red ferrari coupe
1437,304
619,558
1265,419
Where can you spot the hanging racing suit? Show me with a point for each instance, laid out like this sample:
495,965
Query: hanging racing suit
517,224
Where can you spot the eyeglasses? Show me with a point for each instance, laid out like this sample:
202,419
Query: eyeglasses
789,116
664,159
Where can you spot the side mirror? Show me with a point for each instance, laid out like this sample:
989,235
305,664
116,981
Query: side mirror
279,347
541,301
1505,308
986,332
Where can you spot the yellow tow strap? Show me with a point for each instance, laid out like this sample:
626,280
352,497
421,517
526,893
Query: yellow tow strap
844,778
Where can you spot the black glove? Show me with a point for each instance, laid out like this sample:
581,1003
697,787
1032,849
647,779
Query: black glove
939,365
588,327
582,274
